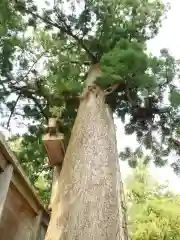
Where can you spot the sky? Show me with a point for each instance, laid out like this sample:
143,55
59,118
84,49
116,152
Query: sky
168,37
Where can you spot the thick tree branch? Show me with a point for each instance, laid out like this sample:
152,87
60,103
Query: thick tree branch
125,88
12,110
23,91
36,101
86,63
30,69
65,29
111,89
177,142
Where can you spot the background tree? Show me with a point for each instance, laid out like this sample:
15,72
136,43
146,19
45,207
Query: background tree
35,164
153,208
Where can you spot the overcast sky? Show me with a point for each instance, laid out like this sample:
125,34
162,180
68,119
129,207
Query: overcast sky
168,37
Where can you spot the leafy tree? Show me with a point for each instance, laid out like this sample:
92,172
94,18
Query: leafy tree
11,25
153,209
110,38
118,42
37,169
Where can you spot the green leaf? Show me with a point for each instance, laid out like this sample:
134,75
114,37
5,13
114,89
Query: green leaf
175,98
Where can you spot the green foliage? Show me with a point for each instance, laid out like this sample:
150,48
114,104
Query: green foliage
10,25
46,54
31,155
175,98
153,210
128,61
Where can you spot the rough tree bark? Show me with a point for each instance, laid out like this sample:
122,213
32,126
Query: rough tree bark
89,202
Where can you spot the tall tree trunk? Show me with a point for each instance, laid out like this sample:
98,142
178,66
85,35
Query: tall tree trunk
88,205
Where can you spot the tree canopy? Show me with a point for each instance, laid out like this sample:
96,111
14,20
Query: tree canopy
46,53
